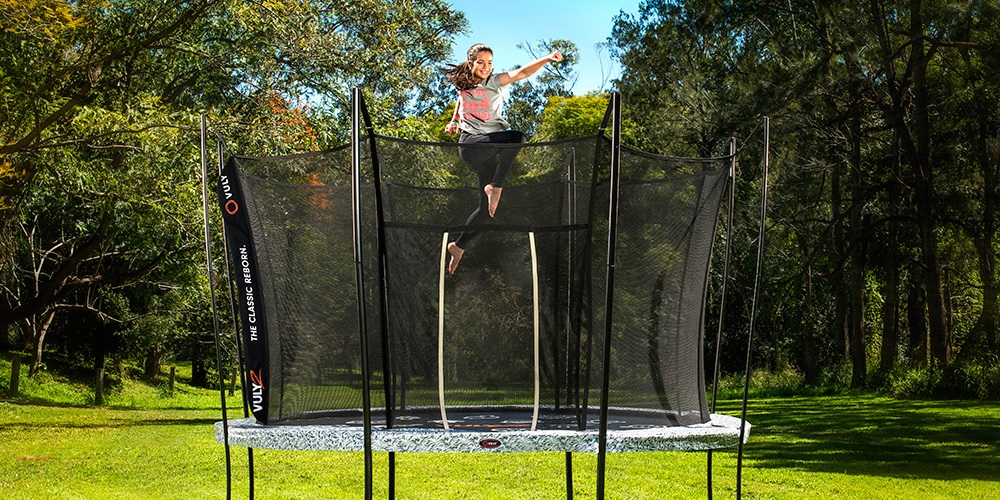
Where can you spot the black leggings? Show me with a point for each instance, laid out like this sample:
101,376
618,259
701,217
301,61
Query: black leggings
491,166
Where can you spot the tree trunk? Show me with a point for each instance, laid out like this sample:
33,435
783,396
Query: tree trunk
841,302
152,368
938,336
199,374
809,363
890,289
890,309
39,327
989,156
856,325
915,141
99,382
15,375
916,321
940,341
6,328
987,321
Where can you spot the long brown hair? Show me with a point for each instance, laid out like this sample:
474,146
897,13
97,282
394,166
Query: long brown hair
461,74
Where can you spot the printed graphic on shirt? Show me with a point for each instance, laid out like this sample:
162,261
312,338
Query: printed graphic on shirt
476,105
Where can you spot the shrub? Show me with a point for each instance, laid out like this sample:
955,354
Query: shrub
772,383
836,376
960,380
913,381
972,379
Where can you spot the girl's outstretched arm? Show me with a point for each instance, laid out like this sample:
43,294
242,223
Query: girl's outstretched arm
529,69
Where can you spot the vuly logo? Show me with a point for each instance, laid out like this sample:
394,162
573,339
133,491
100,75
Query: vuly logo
231,207
490,443
257,390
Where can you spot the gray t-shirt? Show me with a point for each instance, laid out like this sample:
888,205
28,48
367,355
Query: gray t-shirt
481,108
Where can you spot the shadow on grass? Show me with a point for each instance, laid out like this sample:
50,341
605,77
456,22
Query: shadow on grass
947,440
67,416
110,423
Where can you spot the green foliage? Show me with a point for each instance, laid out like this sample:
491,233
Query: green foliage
427,128
681,62
915,382
527,98
884,158
882,234
46,387
100,190
566,117
763,384
961,380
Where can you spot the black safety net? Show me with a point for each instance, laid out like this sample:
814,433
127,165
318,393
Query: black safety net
520,325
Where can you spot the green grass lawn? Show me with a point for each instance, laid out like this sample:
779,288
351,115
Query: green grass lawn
150,444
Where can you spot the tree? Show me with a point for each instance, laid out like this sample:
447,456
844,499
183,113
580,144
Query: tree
879,111
566,117
527,98
99,160
679,66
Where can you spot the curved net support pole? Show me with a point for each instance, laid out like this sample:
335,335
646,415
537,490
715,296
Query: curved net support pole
753,307
215,313
386,351
440,360
234,310
722,295
534,286
572,369
616,154
359,275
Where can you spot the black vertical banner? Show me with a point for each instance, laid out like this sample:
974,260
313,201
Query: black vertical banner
247,277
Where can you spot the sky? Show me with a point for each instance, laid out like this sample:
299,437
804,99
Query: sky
504,24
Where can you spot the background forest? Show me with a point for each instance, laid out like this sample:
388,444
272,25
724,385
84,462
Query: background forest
882,252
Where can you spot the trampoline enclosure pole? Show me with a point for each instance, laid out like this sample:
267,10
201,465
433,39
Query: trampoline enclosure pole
239,340
234,310
215,312
360,287
722,295
616,131
753,307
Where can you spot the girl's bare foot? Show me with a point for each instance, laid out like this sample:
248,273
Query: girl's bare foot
456,257
493,194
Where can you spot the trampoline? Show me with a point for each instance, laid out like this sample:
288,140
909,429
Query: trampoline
481,429
574,322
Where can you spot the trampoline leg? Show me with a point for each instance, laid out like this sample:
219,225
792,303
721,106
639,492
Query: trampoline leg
569,475
708,480
600,474
250,472
392,475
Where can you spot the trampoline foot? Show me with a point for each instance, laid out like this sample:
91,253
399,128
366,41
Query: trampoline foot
456,257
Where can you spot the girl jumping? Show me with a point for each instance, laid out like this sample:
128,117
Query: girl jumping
479,119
